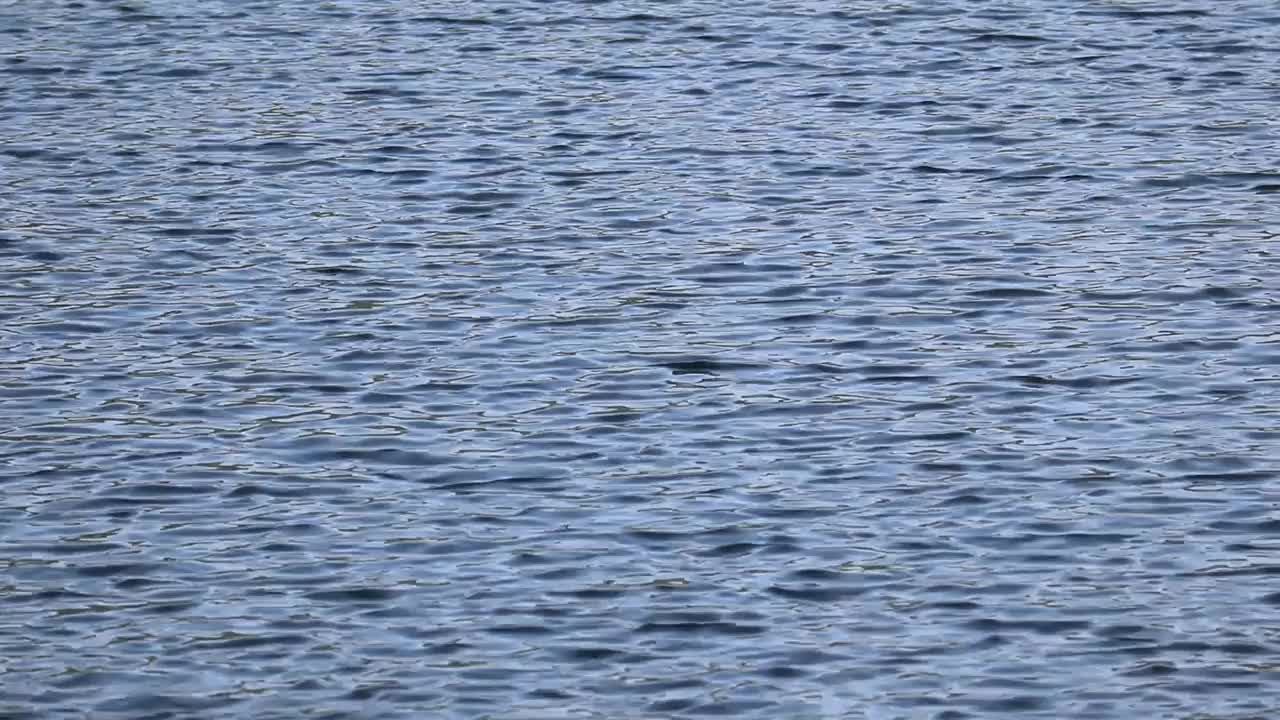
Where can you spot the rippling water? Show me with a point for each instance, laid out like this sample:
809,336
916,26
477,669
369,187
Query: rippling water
639,359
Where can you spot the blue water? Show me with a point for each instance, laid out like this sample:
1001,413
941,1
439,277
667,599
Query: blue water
642,360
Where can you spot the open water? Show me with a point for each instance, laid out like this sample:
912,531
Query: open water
640,360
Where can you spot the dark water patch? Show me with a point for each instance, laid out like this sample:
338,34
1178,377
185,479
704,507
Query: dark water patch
113,569
698,628
233,641
353,595
815,593
706,365
1038,627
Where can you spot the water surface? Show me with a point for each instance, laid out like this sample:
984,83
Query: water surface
639,360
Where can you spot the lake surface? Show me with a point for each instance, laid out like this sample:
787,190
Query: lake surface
640,360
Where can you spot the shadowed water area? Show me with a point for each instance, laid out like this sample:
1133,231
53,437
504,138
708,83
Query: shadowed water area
640,360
